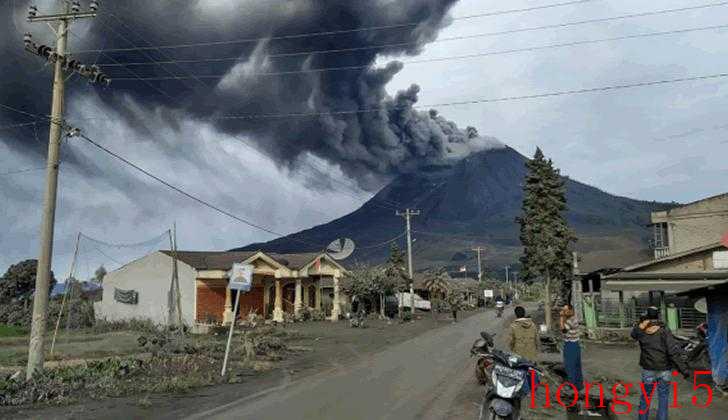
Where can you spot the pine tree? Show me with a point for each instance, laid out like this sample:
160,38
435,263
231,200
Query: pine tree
545,235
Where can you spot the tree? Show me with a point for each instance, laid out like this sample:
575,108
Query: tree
364,284
545,235
395,272
438,286
99,275
18,283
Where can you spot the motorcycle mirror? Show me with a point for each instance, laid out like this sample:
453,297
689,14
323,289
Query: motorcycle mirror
701,306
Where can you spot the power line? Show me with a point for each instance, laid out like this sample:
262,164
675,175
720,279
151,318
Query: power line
149,43
153,240
191,196
22,171
334,32
480,101
16,125
445,39
449,58
381,244
137,76
20,111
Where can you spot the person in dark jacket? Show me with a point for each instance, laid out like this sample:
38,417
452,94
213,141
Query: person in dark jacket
659,354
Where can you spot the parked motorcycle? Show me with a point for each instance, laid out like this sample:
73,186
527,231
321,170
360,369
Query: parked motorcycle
481,349
694,350
510,377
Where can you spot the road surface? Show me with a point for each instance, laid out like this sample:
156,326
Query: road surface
416,379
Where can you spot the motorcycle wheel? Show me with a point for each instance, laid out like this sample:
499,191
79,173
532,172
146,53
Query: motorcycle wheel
487,414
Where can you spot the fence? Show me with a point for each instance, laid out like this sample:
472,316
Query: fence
609,315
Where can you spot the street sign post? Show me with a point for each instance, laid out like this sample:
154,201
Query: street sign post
241,279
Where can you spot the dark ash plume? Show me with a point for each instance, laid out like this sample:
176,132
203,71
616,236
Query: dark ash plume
369,146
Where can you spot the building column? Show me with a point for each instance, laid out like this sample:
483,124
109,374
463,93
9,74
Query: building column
298,299
227,313
278,308
318,294
306,296
336,309
266,298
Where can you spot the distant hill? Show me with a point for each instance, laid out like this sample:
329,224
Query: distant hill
474,202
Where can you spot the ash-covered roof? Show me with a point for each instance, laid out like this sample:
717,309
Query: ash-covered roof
223,260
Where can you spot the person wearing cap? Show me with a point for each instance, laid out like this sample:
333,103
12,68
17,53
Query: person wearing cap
659,354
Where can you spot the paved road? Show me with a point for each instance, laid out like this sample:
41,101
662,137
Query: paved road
417,379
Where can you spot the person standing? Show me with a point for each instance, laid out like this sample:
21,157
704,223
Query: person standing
572,348
658,355
523,338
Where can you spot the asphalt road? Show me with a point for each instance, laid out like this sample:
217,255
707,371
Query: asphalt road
417,379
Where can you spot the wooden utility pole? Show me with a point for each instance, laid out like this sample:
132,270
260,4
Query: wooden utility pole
508,284
407,214
479,249
61,65
175,299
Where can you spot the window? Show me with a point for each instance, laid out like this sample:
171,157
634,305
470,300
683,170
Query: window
660,236
720,260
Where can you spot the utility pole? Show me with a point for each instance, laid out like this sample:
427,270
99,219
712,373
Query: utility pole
479,249
515,284
408,213
508,285
61,64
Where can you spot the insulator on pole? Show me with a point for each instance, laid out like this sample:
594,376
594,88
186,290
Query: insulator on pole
44,51
32,12
28,39
94,5
73,132
71,65
75,7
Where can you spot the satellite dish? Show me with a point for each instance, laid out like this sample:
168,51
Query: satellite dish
701,306
340,248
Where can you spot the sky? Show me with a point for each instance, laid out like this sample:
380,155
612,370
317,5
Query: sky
664,143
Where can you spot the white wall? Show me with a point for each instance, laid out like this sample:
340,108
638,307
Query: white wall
150,276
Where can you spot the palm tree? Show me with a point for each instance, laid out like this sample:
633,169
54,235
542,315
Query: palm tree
438,286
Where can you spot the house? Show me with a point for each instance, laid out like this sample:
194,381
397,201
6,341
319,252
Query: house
716,298
616,286
282,283
689,226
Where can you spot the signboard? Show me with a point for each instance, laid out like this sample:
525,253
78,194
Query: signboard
488,293
724,240
720,260
241,277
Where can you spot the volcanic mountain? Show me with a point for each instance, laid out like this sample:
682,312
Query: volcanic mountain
473,202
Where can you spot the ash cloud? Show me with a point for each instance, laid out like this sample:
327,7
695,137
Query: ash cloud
368,146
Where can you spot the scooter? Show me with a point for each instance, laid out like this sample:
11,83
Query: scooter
481,349
695,349
510,377
499,307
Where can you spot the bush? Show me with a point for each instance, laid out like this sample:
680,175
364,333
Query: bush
139,325
317,315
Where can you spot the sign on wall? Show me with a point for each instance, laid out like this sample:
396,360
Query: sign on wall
488,293
241,277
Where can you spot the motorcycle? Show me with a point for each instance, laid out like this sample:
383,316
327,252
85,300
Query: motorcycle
481,349
510,377
499,307
694,350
